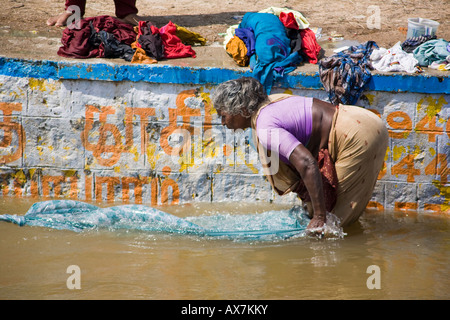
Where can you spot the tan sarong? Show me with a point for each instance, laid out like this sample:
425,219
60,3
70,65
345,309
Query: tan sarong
357,143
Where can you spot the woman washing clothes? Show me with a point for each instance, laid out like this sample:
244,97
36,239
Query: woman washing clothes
329,155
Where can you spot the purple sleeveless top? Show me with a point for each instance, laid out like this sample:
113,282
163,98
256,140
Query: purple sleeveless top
283,125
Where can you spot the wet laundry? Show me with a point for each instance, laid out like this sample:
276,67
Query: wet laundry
189,37
173,46
301,21
394,59
412,43
79,216
440,66
110,46
277,41
302,40
295,38
140,56
346,74
248,37
273,57
108,37
237,49
76,42
310,48
149,39
288,20
432,51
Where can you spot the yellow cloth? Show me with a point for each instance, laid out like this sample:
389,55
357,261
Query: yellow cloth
186,36
189,37
140,56
229,34
237,49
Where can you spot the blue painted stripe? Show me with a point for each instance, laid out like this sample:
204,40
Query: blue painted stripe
28,68
158,73
419,83
147,73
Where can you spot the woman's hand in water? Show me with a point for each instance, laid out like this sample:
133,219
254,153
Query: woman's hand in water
316,225
324,227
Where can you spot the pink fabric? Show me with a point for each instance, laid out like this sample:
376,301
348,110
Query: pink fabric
283,125
173,47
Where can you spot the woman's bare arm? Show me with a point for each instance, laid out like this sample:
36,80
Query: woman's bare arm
309,171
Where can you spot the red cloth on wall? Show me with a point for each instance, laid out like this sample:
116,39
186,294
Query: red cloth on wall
173,47
76,41
310,47
288,20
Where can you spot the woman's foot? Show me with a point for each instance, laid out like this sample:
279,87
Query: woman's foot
132,19
60,20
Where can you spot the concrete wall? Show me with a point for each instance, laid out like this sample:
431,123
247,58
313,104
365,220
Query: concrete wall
108,132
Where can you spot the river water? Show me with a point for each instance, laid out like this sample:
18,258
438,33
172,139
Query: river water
386,255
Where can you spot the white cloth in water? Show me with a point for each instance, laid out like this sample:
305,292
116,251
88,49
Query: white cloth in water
393,60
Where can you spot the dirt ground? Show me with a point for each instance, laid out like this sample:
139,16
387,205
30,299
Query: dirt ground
23,29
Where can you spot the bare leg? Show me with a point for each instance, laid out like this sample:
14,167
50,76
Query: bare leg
71,7
132,19
60,20
126,11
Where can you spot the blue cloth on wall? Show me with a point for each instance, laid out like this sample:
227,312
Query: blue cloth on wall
273,58
78,216
432,51
345,74
248,37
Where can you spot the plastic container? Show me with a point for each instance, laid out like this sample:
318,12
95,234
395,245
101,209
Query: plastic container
421,27
430,27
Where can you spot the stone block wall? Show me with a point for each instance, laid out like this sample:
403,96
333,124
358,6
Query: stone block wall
162,143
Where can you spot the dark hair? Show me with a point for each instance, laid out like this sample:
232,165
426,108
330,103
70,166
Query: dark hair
240,96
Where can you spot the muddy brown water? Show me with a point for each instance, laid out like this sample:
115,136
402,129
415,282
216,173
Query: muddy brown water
410,252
